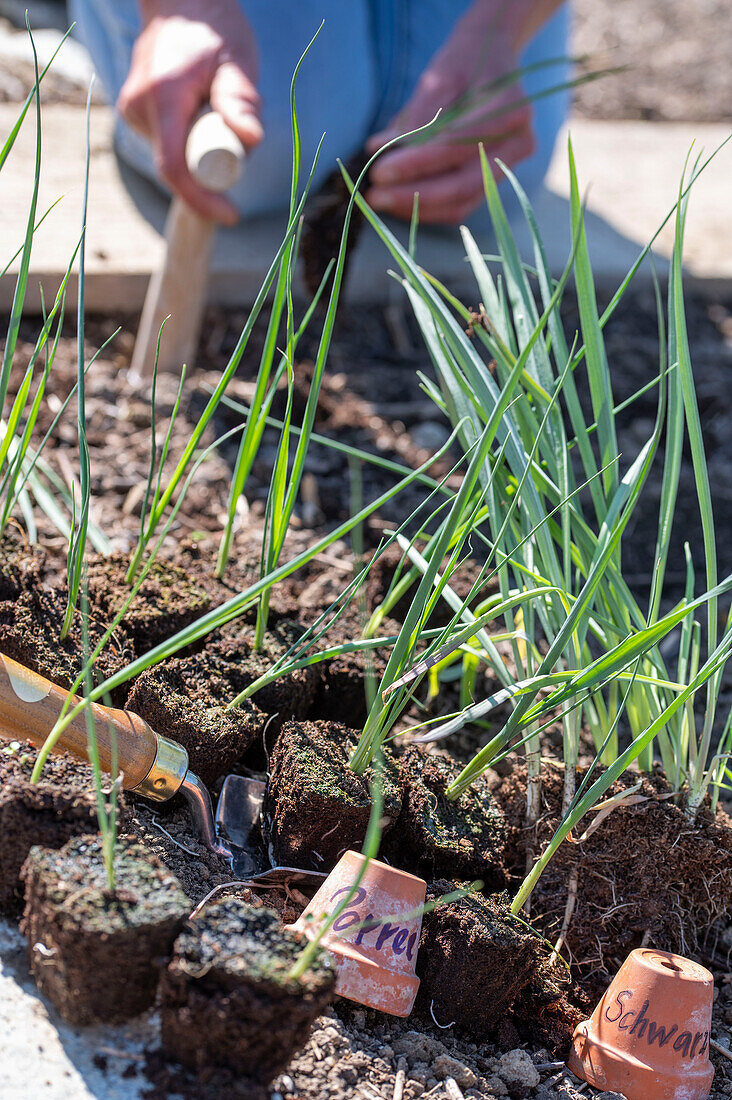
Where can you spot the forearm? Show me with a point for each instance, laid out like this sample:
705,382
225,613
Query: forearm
206,11
516,20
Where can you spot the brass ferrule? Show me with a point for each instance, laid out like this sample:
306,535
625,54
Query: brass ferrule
167,773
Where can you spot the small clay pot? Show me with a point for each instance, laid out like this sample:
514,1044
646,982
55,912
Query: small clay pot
376,937
649,1035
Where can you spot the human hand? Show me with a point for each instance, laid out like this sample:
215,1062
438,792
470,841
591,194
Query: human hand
191,53
446,169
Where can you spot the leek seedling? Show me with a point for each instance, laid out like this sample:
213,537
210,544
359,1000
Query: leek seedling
223,614
567,549
106,807
21,478
78,535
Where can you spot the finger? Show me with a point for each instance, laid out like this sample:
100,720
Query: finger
490,120
442,198
417,162
449,198
236,99
170,153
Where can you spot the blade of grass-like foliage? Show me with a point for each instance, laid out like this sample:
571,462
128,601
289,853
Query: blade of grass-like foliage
16,310
595,355
77,540
251,439
229,610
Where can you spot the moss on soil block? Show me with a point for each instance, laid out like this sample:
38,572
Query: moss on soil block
226,996
93,952
315,807
436,836
61,805
645,874
30,633
474,960
169,599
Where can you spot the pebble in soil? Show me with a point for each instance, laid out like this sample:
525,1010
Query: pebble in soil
227,997
50,812
440,837
315,806
91,949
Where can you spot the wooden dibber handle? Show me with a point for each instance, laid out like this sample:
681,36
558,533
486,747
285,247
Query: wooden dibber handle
215,157
29,706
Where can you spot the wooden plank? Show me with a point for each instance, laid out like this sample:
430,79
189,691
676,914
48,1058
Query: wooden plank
632,171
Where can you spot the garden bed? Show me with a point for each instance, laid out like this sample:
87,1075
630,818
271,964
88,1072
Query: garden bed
183,698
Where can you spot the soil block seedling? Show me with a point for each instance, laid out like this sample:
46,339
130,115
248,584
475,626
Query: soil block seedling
48,813
461,838
182,699
186,698
316,807
168,599
475,959
228,998
92,950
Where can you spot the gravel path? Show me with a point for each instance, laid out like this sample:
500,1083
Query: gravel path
676,53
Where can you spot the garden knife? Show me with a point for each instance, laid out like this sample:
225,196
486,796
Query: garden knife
151,765
177,291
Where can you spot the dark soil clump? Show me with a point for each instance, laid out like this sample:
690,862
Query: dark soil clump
186,699
92,950
475,959
315,807
546,1012
341,693
30,633
324,222
227,999
644,875
21,565
436,836
289,696
168,600
391,563
60,806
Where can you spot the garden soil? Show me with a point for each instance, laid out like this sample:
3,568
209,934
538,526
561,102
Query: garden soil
374,354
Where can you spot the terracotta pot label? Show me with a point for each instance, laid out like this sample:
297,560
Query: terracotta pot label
640,1023
386,936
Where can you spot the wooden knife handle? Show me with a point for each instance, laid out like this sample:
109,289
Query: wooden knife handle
30,706
177,290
